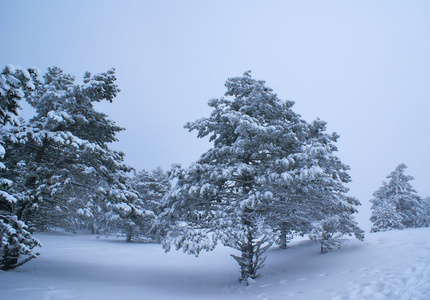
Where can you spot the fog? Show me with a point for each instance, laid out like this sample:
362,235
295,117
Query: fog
362,66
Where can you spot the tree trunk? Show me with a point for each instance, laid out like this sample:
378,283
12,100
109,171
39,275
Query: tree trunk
283,237
129,234
252,250
248,253
92,228
246,260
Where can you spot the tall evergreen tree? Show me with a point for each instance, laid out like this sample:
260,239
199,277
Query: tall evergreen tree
255,179
396,205
332,210
72,176
16,242
314,192
222,196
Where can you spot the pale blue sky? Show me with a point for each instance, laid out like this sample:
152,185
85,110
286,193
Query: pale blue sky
362,66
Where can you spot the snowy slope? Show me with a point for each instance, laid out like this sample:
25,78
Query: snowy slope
389,265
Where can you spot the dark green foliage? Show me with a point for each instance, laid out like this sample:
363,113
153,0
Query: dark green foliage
16,242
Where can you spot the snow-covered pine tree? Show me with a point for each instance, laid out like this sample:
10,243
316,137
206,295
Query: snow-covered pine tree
152,187
426,204
308,189
321,178
396,205
226,196
72,176
16,242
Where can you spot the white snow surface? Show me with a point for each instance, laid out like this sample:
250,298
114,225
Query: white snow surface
387,265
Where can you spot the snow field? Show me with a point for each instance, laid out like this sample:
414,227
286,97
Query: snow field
387,265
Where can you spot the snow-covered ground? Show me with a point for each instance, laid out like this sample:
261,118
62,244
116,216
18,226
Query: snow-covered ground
389,265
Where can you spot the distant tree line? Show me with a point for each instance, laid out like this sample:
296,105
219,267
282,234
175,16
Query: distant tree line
268,177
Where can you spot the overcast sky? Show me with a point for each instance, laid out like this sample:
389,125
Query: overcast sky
362,66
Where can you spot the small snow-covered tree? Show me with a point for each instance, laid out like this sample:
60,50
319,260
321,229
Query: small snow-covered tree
16,242
331,230
152,187
396,205
426,204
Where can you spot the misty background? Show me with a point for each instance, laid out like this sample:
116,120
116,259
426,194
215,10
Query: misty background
361,66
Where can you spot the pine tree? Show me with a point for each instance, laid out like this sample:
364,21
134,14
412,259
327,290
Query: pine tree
268,174
396,205
16,242
426,204
227,194
152,187
73,178
310,189
332,211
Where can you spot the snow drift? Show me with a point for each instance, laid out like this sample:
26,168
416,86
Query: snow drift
387,265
